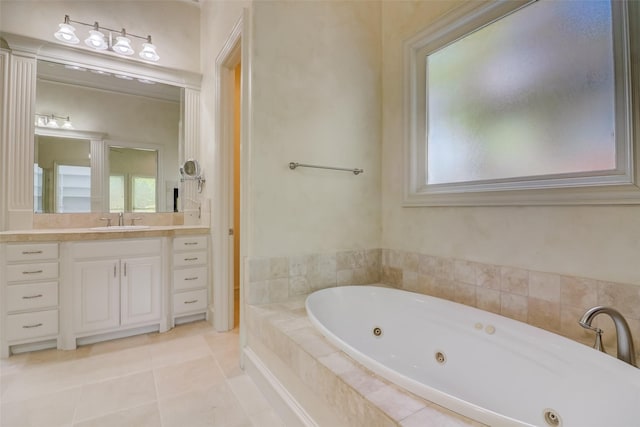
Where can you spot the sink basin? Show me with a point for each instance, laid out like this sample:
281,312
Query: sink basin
120,228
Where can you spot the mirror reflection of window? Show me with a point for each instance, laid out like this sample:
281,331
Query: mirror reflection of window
116,193
132,180
143,194
73,189
38,184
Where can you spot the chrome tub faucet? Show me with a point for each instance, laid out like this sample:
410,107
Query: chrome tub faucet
626,351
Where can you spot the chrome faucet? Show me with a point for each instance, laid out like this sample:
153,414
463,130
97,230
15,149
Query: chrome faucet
121,219
626,352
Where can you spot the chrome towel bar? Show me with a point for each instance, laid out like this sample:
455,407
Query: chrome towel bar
293,165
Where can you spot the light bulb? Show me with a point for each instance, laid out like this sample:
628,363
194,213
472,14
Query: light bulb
67,124
67,34
96,40
53,124
148,52
123,46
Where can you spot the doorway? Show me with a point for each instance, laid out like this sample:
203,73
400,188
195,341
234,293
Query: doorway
237,100
228,207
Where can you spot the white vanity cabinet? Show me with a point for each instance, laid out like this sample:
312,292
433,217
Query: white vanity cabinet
116,285
29,282
190,276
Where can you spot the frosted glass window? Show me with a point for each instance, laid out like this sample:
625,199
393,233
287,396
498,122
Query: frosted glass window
531,94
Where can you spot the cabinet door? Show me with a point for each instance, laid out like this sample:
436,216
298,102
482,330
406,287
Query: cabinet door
96,295
140,290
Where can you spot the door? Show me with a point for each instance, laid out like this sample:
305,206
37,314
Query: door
96,295
140,290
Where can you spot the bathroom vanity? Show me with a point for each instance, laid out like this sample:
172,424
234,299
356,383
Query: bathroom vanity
63,288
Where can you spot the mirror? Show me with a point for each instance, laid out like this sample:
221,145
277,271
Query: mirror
191,171
191,168
129,160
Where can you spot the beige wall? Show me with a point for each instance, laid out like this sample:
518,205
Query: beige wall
595,242
173,25
316,99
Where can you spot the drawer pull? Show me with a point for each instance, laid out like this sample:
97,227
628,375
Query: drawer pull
191,259
32,296
37,325
191,278
193,301
32,272
31,252
190,243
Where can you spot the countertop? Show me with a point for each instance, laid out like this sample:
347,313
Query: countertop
73,234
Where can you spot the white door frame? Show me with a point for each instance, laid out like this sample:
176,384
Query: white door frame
236,50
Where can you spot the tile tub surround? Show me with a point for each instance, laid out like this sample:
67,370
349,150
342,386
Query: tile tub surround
277,279
355,394
548,301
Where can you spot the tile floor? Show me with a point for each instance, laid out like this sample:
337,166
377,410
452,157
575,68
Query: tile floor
187,377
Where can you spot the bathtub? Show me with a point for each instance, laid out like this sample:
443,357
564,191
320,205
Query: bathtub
492,369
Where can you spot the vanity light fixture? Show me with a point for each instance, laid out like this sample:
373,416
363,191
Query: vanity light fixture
67,32
96,39
100,41
51,121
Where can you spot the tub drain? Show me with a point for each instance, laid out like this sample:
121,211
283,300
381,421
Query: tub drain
552,418
377,332
440,357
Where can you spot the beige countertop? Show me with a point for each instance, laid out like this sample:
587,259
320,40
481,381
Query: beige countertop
71,234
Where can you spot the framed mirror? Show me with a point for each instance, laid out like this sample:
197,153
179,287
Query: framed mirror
140,123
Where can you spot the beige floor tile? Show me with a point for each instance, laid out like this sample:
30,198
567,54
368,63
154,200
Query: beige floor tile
214,407
102,398
117,383
142,416
187,376
43,380
179,350
52,410
229,360
13,365
119,344
248,394
266,418
115,364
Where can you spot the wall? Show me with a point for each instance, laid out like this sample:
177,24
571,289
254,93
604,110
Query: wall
316,99
173,25
217,21
586,241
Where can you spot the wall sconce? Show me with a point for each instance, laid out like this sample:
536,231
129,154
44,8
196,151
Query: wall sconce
99,41
51,121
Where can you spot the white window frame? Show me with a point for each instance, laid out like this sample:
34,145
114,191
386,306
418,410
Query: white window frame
621,186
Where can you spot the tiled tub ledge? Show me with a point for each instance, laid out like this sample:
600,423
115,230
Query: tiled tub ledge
325,386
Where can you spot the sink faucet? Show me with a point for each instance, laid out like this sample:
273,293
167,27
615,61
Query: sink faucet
626,352
121,218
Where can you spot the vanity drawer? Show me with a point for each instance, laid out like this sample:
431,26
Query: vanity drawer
189,243
31,272
186,302
32,296
32,252
190,278
32,325
189,258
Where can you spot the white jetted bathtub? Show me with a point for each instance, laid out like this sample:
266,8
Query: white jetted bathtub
490,368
